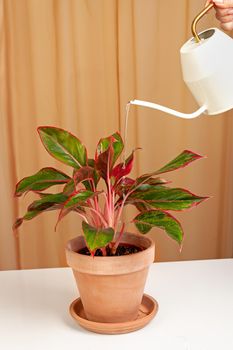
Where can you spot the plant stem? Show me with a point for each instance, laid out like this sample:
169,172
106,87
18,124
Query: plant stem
100,216
109,196
103,250
116,244
121,208
106,208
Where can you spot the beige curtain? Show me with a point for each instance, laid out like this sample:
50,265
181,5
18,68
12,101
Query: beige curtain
75,64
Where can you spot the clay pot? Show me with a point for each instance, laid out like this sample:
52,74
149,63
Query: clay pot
111,288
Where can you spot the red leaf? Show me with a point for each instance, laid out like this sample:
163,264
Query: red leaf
104,161
84,173
123,168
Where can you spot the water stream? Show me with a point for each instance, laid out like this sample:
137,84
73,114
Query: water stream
126,121
159,108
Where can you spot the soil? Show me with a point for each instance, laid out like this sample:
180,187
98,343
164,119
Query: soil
122,249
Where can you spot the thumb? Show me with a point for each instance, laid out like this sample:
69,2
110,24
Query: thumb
227,26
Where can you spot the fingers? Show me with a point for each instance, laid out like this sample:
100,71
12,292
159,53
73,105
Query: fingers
224,4
224,12
224,19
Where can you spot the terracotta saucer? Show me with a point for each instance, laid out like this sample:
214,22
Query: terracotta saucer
147,312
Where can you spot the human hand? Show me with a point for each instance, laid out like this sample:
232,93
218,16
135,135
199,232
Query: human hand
224,12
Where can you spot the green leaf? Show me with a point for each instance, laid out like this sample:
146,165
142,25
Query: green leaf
97,237
69,188
107,152
31,214
154,181
28,216
118,146
161,197
182,160
91,162
76,202
42,180
128,185
18,222
79,198
141,206
63,146
48,201
157,218
146,181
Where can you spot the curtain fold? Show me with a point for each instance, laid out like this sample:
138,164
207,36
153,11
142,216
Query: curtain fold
75,64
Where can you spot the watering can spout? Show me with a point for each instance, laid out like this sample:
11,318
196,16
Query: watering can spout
207,68
169,110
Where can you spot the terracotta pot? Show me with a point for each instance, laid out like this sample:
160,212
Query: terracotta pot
111,288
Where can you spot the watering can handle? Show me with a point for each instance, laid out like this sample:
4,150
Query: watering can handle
196,19
227,26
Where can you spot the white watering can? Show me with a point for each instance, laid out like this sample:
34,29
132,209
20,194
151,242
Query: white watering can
207,66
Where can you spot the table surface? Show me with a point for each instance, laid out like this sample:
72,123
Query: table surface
195,310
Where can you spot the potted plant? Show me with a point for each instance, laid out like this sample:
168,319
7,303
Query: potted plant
109,264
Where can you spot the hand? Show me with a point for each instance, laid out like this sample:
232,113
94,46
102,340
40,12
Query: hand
224,12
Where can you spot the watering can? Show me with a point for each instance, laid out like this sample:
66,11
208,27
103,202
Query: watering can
207,67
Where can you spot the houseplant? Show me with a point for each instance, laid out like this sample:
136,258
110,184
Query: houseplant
107,262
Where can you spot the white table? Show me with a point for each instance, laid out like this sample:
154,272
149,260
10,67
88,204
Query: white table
195,299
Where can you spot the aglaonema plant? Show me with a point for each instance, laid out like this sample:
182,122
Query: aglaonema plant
81,192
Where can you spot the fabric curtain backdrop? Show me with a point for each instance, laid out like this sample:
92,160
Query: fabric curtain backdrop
75,64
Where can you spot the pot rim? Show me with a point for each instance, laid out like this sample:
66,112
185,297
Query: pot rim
112,265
